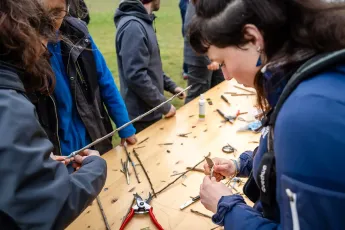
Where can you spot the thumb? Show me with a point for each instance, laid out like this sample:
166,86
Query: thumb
213,179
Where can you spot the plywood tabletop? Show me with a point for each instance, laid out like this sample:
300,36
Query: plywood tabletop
162,161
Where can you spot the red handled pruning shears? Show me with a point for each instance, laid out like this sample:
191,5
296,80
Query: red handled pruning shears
141,207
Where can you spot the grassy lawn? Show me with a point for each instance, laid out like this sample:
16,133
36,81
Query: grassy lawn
168,26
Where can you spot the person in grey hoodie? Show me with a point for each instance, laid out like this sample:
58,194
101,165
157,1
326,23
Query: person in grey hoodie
141,73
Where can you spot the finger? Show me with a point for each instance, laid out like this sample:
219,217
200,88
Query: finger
60,158
206,169
221,169
78,159
86,152
67,161
206,180
213,179
123,140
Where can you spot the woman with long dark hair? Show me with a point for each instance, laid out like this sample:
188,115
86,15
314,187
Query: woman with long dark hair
292,53
36,192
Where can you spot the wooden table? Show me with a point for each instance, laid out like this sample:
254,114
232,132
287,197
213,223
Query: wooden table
161,162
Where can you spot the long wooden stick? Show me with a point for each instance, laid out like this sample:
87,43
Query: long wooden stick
103,213
147,176
160,191
249,91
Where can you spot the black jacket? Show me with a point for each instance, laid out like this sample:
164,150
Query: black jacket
37,192
140,66
81,68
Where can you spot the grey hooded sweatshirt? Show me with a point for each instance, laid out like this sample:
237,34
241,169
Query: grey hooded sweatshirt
139,62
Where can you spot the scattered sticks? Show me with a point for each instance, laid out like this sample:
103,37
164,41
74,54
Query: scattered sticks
184,134
249,91
147,176
200,214
171,183
103,213
143,141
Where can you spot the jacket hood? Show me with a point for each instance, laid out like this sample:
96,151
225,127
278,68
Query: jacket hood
132,8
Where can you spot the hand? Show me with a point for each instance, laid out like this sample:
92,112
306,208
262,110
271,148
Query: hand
171,113
213,66
63,159
221,168
78,159
211,192
130,140
178,90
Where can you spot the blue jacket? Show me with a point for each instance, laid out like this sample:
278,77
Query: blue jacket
309,146
72,131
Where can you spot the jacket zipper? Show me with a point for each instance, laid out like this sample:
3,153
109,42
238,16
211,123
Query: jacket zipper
293,205
57,125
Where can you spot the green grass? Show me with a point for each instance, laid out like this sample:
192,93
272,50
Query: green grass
168,26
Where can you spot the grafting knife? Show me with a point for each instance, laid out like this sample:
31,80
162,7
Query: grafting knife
73,154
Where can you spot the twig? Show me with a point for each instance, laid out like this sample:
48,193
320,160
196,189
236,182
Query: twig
200,214
147,176
129,210
166,144
160,191
196,170
176,174
103,214
184,134
143,141
240,94
139,147
249,91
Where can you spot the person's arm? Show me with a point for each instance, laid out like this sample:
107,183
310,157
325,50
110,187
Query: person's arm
37,191
309,149
111,95
132,45
169,85
245,163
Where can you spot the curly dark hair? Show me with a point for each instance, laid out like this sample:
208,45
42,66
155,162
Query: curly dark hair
24,24
293,30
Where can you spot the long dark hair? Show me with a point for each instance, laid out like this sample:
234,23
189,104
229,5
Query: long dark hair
24,24
293,30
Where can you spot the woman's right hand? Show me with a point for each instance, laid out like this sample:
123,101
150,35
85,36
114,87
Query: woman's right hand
222,168
78,159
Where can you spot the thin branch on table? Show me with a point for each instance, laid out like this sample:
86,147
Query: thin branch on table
139,147
147,176
103,213
181,175
142,141
200,214
129,210
249,91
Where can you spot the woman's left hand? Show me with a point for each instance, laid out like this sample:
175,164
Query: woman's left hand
211,191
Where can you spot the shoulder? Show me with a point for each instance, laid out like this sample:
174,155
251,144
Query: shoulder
313,116
72,25
132,26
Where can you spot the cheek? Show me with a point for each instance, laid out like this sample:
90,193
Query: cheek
242,67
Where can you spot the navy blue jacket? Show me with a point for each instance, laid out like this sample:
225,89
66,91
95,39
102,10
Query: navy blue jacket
309,146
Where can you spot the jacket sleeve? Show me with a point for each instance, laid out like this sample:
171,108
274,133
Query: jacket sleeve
37,192
111,95
246,164
132,45
169,85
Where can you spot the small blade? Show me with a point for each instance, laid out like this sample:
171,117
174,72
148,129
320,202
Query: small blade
209,162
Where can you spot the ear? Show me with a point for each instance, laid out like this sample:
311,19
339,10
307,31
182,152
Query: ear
252,34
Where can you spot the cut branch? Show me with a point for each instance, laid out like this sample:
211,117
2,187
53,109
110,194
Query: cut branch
147,176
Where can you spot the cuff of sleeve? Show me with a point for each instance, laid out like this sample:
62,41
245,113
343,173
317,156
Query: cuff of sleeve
225,204
127,132
246,164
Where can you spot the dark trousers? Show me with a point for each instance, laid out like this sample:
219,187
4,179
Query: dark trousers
183,9
141,125
202,80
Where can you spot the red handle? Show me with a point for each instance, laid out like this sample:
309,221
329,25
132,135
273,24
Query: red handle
128,218
154,220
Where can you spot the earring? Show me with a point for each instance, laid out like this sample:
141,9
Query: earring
259,62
